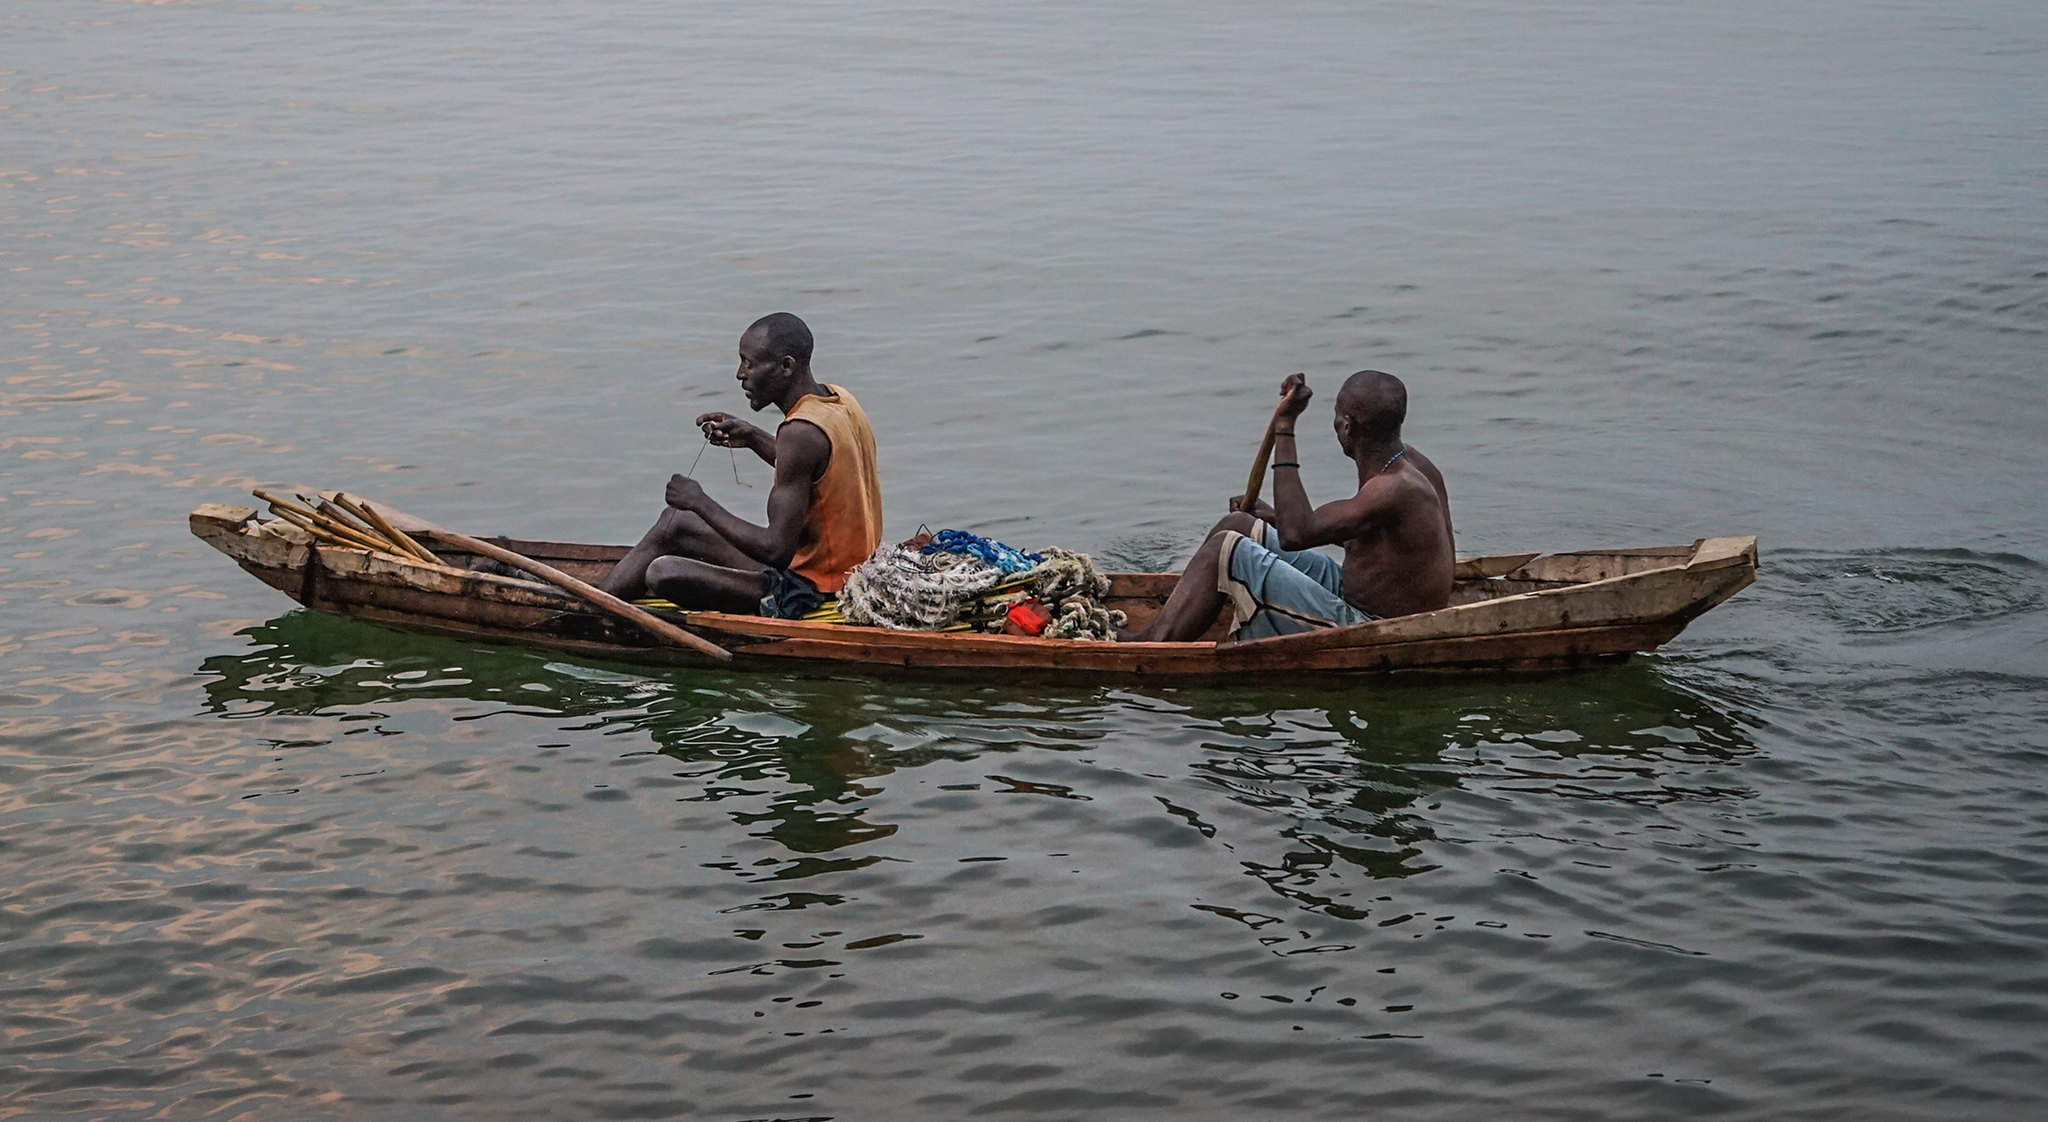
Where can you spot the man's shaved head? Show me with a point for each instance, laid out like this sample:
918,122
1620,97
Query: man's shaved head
784,334
1375,403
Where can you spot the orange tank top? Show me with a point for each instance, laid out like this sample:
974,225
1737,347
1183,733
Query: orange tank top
844,525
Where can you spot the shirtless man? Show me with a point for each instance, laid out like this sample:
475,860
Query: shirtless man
824,510
1396,533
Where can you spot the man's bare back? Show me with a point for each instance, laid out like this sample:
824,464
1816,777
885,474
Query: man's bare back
1400,562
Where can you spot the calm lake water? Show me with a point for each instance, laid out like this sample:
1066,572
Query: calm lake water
1652,271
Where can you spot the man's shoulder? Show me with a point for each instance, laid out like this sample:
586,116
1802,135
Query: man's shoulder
833,397
1400,493
803,428
1418,485
844,398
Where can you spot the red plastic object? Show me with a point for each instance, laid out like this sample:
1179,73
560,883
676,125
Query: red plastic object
1025,619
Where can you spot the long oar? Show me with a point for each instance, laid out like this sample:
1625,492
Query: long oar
1257,481
595,597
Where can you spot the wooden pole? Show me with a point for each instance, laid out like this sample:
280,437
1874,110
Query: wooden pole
281,503
595,597
1257,481
360,527
398,536
348,532
327,527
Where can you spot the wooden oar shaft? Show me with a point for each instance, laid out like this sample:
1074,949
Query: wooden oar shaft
281,504
1257,482
376,521
349,534
321,525
595,597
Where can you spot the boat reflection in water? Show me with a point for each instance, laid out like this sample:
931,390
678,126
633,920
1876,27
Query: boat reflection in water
1304,787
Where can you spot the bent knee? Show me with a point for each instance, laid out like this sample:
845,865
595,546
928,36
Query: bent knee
667,570
1236,520
680,525
672,518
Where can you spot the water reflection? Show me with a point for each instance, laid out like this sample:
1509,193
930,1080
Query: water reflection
808,745
1337,780
1354,781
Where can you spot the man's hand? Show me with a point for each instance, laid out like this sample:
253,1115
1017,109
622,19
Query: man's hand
1295,393
684,493
1262,510
727,431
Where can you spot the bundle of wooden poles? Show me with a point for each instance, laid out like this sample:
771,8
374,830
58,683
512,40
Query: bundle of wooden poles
341,520
356,524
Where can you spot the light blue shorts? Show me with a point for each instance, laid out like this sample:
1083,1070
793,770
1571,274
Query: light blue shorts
1281,592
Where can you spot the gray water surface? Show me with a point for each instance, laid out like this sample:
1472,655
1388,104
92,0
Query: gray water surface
1652,271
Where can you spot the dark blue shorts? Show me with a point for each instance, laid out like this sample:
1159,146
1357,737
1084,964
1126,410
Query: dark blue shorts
788,595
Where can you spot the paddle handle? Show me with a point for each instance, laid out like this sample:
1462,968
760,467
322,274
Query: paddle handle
595,597
1257,482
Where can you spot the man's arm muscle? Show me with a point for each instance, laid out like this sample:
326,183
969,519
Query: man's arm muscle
801,453
1302,526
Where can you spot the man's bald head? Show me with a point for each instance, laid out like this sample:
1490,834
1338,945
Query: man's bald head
783,334
1375,403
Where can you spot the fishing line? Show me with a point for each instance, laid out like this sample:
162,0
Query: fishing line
692,473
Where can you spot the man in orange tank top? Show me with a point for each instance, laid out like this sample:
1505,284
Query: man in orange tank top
824,510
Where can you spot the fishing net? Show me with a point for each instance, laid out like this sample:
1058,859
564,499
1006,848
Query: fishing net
910,590
1067,583
959,582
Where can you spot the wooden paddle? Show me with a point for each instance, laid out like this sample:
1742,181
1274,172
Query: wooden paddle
1257,481
595,597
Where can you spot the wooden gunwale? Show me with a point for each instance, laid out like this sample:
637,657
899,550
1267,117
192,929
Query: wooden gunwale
1516,611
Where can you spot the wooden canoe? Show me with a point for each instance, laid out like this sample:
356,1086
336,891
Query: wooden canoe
1510,611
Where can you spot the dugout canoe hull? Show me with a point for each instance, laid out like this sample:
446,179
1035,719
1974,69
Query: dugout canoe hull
1510,611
